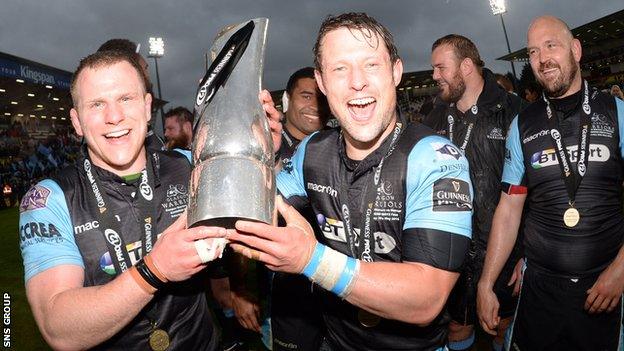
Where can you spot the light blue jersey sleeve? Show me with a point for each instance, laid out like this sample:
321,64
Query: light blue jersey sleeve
186,153
620,117
290,180
45,230
513,170
439,192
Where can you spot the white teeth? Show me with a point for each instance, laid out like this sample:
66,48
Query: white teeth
118,133
362,102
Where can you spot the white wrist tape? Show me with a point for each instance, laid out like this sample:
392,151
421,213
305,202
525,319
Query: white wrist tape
210,249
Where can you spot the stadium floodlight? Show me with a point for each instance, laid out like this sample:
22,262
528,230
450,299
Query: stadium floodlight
156,47
156,50
498,7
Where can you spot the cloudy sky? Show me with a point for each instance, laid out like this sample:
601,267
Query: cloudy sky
60,32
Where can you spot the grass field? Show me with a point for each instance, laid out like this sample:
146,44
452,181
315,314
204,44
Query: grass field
24,333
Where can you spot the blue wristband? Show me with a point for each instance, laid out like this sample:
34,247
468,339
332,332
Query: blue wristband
345,277
312,266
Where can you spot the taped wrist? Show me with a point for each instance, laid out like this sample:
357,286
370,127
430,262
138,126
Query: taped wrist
332,270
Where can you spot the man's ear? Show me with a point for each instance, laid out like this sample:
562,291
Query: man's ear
577,50
73,114
397,72
318,76
148,106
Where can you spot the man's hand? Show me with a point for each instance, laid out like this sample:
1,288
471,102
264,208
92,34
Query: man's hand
487,309
274,118
606,292
246,310
285,249
174,253
516,277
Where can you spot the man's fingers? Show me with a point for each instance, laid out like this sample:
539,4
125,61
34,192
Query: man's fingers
202,232
179,224
593,308
614,303
605,304
590,299
290,214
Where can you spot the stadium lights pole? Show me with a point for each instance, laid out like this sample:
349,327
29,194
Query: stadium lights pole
156,50
498,8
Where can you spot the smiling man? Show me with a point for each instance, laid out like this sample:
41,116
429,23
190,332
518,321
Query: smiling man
475,113
392,203
564,158
98,273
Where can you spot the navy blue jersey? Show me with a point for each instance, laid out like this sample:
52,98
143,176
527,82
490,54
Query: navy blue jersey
59,226
531,161
424,184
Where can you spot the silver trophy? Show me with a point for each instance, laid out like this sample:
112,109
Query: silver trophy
233,156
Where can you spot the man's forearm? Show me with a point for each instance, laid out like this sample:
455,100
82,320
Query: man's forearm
502,238
409,292
80,318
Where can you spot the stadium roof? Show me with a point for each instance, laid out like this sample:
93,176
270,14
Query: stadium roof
32,89
594,33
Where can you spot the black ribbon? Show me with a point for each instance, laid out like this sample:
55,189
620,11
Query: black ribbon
364,251
451,123
572,179
112,231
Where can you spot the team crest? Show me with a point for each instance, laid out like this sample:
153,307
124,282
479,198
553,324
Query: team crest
35,198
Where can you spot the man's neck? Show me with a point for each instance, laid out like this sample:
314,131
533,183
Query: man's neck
358,151
470,97
137,165
296,133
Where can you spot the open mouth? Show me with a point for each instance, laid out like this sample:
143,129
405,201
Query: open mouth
117,134
361,108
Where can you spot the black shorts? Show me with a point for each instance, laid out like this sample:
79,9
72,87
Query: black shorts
551,316
296,319
462,301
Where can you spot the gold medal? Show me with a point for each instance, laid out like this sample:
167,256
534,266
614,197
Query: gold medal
368,319
571,217
159,340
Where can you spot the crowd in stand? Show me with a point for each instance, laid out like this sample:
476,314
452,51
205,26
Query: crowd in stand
27,156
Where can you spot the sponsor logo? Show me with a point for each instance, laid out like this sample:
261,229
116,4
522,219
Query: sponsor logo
387,206
532,137
322,189
333,229
557,136
601,126
33,230
135,252
446,151
496,134
455,167
203,93
451,194
145,188
79,229
148,234
37,76
176,200
96,190
545,158
114,239
384,243
35,198
581,159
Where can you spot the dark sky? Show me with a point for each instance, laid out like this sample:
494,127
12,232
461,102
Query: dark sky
60,32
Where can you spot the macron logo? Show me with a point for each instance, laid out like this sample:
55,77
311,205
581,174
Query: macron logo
323,189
